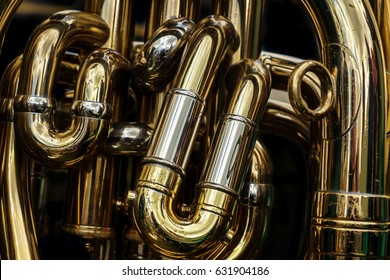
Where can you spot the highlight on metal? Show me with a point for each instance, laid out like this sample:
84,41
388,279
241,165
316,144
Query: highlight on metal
154,131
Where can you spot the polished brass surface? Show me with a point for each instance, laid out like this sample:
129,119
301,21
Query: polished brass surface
93,185
211,40
382,15
327,99
119,16
104,72
252,216
247,17
160,113
349,47
18,235
34,105
90,190
218,188
158,59
157,62
162,10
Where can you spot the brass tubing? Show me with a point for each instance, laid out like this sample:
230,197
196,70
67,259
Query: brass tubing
281,68
59,32
350,216
128,139
381,10
204,52
167,28
247,18
162,10
158,59
90,213
167,32
93,186
222,177
157,62
119,16
152,70
103,76
34,105
163,167
280,117
18,239
282,120
347,150
253,214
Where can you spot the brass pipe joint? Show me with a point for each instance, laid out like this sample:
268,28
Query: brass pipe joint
34,105
163,168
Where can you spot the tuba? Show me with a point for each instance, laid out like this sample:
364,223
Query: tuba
172,130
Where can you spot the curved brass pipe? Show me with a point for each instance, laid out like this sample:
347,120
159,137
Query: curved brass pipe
18,239
256,201
93,185
34,106
350,206
168,27
247,17
152,70
222,178
167,31
104,72
163,167
381,10
348,152
279,116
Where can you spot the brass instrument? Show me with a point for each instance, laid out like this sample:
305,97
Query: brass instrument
153,129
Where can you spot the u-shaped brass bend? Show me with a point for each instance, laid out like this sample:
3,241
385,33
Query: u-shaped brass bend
350,216
34,105
163,167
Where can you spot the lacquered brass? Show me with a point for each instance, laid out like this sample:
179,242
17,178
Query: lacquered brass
218,190
350,205
247,17
93,185
18,235
104,72
242,241
119,16
156,64
34,105
160,130
381,11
